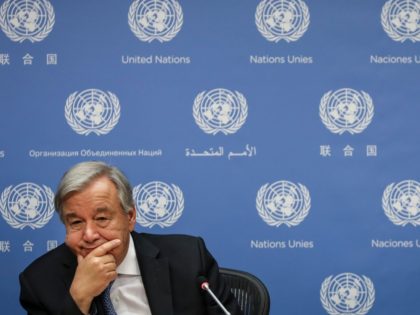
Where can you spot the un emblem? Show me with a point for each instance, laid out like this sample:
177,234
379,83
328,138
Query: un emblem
346,110
27,204
347,293
92,110
283,202
401,20
220,110
29,20
155,19
282,19
401,202
158,203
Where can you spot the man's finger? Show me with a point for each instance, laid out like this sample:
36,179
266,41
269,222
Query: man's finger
108,258
105,248
79,258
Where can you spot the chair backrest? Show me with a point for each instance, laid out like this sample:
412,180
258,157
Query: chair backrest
252,295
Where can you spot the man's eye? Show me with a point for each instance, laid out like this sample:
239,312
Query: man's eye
102,221
75,223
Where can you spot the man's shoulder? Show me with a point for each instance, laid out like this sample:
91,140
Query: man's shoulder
48,261
172,241
170,237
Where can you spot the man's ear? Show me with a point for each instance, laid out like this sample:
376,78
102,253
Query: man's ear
131,218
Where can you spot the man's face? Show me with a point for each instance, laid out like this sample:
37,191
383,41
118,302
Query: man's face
94,216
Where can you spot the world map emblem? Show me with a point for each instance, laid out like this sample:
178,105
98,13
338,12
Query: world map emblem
29,20
159,20
401,20
401,202
283,202
27,204
158,203
282,19
220,110
92,111
347,293
346,110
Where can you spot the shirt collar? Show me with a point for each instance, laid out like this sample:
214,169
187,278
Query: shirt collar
130,265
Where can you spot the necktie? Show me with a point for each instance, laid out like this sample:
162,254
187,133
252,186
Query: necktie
106,300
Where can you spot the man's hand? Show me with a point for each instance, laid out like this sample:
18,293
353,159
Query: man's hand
93,274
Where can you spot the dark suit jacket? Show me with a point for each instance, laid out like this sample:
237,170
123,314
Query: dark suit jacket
169,264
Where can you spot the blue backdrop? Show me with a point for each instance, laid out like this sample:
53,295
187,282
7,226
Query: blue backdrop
284,132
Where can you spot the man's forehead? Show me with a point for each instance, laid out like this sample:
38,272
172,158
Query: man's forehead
71,213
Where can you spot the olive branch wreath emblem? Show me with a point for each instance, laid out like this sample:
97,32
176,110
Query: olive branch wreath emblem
44,219
140,34
388,209
298,33
46,29
362,125
171,219
201,122
386,24
289,223
85,131
331,309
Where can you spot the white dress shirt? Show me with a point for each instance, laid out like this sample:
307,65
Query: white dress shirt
127,292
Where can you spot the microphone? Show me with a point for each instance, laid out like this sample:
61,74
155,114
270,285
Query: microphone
204,285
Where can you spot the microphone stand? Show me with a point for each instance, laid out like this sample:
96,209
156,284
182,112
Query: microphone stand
205,286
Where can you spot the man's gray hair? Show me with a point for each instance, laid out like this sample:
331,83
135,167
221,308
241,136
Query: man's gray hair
81,175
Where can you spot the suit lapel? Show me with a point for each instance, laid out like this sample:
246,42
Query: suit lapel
155,274
69,262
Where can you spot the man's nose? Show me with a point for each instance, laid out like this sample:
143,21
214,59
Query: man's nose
90,232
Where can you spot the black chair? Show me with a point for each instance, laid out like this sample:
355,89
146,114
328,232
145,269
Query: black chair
252,295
